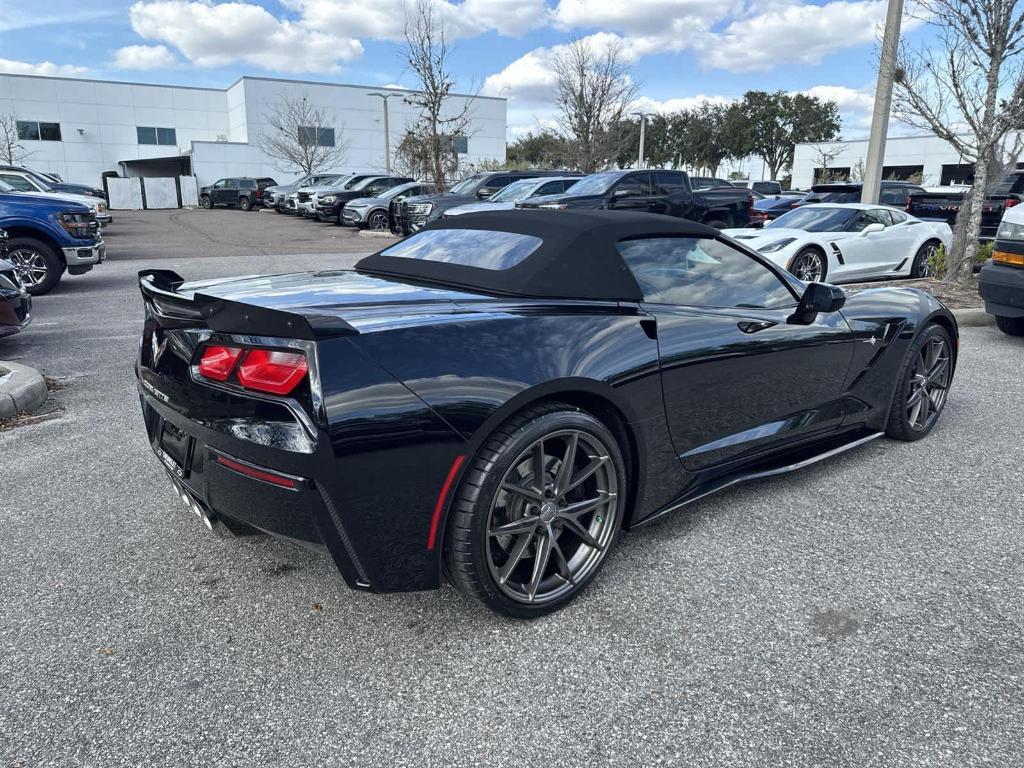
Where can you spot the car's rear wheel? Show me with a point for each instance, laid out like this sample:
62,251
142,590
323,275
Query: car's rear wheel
1012,326
537,512
923,384
809,265
922,266
205,201
38,266
245,203
377,221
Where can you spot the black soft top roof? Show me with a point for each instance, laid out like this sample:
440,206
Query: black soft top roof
577,258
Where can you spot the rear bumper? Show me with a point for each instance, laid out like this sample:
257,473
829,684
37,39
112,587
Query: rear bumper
1002,288
234,481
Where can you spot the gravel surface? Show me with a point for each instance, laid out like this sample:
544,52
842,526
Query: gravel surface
864,612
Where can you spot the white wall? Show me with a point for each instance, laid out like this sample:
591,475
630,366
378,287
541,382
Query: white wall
928,151
216,125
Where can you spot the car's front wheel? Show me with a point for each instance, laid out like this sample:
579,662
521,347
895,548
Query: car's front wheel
537,512
809,265
922,266
205,201
923,385
37,264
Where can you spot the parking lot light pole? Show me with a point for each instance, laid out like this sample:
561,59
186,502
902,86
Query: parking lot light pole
387,136
643,125
883,102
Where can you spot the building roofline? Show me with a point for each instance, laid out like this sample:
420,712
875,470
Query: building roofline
857,141
236,82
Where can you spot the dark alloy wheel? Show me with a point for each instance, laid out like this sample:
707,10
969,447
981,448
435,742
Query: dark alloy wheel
537,512
377,221
922,266
206,202
923,385
1012,326
245,203
38,266
809,265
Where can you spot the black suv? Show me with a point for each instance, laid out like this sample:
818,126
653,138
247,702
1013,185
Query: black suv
413,213
329,204
894,193
246,193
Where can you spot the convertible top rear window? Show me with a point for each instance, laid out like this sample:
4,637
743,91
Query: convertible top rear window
469,247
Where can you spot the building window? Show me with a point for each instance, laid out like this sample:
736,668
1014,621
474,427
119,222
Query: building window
310,135
460,144
167,137
29,130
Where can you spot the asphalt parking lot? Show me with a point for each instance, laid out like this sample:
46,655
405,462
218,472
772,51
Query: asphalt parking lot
864,612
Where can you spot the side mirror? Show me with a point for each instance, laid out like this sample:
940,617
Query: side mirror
872,228
818,297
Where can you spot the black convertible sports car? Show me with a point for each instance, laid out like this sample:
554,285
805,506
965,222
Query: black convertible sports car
496,397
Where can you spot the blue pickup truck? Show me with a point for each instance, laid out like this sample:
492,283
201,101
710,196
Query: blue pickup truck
48,237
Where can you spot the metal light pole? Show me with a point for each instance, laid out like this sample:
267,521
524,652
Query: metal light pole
883,102
643,125
387,136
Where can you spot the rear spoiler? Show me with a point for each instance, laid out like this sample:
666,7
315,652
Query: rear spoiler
159,288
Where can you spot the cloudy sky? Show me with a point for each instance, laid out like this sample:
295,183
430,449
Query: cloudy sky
681,51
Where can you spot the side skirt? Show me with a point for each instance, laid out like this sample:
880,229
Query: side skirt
762,471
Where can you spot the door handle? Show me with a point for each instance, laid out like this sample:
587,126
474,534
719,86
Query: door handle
753,326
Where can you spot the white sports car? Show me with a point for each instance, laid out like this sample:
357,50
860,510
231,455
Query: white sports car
847,242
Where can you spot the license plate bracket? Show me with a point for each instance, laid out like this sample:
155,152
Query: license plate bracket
175,448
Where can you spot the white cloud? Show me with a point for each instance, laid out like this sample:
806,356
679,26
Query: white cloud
141,57
788,33
41,68
217,34
385,19
647,104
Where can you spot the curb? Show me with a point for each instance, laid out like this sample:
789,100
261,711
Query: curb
972,318
22,389
377,233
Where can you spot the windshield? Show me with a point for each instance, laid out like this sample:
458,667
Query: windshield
814,219
6,187
514,192
361,184
21,184
596,184
468,185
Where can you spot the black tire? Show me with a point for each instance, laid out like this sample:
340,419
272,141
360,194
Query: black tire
1012,326
921,268
245,203
802,262
278,210
377,221
38,264
901,426
470,550
206,202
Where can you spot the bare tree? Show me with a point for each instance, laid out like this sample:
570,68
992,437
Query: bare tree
969,91
12,151
824,155
593,94
426,54
302,137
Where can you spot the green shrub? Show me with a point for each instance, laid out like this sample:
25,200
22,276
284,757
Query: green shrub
937,263
984,253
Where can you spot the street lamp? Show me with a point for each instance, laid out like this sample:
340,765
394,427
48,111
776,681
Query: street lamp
387,136
643,126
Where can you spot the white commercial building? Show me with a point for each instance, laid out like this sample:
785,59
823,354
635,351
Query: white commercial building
926,159
82,128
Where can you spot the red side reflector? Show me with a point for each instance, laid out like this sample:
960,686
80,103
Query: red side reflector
259,474
435,519
272,371
217,362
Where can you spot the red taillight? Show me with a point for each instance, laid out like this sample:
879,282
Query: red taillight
272,371
218,362
1010,202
